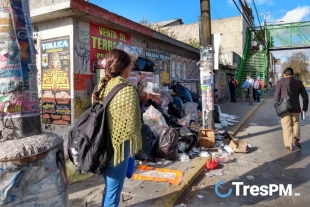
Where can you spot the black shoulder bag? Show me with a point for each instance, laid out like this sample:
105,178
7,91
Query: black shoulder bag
285,104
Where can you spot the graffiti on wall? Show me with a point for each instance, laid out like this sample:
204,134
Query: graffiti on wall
102,40
83,87
18,90
82,55
55,64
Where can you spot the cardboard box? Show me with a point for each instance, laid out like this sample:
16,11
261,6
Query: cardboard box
195,126
239,146
207,138
154,97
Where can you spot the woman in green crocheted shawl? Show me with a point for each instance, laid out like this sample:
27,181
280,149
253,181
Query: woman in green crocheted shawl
124,118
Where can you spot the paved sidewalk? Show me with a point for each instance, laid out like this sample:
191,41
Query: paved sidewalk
149,193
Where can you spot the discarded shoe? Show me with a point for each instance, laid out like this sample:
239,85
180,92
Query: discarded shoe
297,144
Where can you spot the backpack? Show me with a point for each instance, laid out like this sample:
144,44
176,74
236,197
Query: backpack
256,85
89,143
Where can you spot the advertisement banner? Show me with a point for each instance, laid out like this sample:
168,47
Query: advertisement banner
56,97
102,40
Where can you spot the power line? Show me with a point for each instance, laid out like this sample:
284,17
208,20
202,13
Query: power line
253,29
225,25
257,15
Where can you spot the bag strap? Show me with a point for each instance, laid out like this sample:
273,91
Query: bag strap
287,93
112,93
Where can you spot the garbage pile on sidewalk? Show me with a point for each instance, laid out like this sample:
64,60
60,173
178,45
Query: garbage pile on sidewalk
171,130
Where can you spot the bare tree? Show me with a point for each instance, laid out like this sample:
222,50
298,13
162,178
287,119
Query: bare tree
298,61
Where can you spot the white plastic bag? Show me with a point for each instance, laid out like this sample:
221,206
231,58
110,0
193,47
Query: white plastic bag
155,120
190,108
165,99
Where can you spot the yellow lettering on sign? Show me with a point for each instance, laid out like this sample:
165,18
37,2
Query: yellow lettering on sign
94,41
107,33
122,37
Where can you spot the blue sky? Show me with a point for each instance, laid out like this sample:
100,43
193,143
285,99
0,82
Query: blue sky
189,11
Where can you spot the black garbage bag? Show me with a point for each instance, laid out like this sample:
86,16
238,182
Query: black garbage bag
175,108
217,114
149,66
143,64
148,143
167,144
189,138
182,92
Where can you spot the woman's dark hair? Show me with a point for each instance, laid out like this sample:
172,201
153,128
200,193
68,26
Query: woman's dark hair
289,71
116,61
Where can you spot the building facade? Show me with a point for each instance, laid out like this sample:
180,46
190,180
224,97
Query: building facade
70,36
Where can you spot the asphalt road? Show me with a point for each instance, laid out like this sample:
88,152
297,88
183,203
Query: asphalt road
269,163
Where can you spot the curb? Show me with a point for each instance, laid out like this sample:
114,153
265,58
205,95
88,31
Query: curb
173,193
237,127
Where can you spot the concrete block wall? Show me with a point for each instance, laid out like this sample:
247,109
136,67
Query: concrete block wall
233,32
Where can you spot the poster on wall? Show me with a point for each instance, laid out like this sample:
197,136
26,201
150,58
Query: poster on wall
102,40
18,90
164,68
153,56
55,65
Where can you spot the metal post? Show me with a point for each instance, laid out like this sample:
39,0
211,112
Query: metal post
206,66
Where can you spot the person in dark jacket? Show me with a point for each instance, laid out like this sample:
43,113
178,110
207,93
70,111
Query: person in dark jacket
233,84
290,119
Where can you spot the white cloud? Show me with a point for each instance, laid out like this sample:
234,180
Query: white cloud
296,15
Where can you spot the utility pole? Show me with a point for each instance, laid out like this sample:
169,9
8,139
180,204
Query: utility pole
206,65
32,165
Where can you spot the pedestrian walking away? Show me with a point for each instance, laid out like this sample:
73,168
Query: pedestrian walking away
248,84
233,84
124,120
290,120
258,86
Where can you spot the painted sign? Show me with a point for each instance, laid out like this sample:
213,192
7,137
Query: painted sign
56,97
102,40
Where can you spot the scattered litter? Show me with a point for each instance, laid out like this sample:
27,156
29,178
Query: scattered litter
222,158
250,177
236,178
204,154
159,163
228,149
200,196
249,145
167,162
195,150
265,175
181,205
216,172
253,124
202,187
211,164
158,174
184,157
